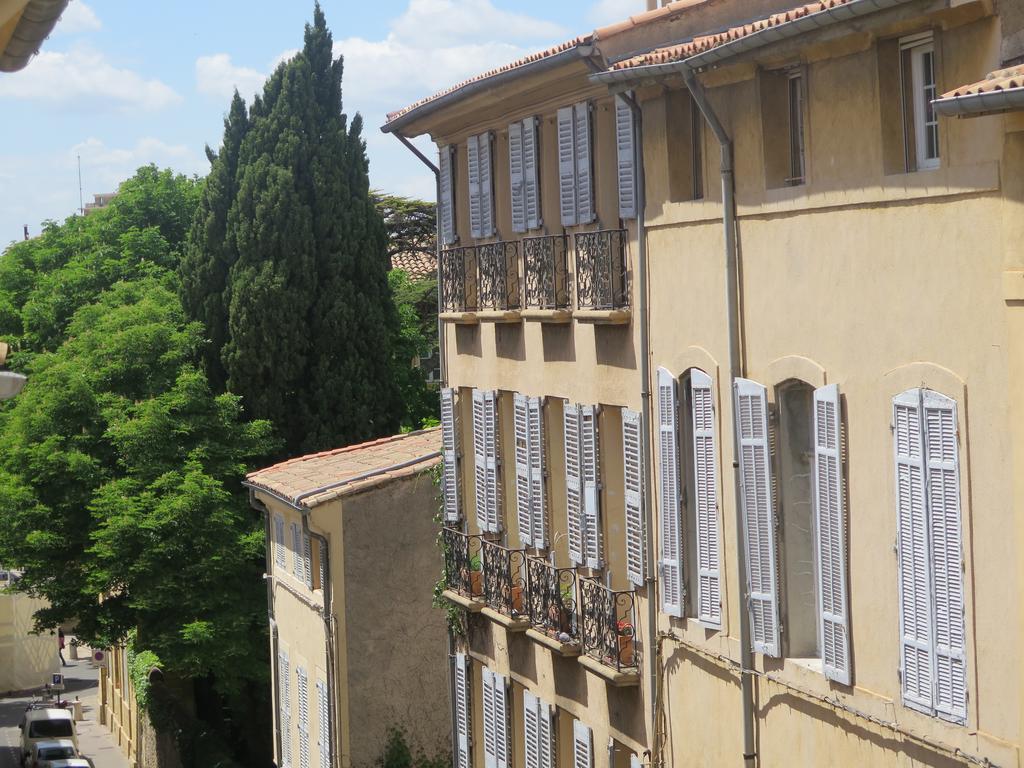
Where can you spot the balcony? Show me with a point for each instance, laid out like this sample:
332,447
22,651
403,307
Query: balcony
608,621
458,284
551,605
504,576
546,278
463,572
498,281
602,289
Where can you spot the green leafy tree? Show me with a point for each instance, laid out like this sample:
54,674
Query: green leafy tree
411,224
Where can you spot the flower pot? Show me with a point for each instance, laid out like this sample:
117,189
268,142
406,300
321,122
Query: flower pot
475,580
517,599
626,650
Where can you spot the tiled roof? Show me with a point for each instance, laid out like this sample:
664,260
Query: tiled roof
533,57
685,50
416,265
346,468
999,80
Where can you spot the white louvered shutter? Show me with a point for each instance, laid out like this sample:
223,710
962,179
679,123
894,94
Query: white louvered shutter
830,511
279,543
624,144
943,472
583,745
913,552
446,168
531,730
546,736
584,164
450,449
501,734
307,560
486,185
473,164
633,484
756,499
635,761
531,175
323,565
494,516
705,497
524,498
573,482
538,491
323,709
462,710
590,470
517,184
297,567
486,460
567,166
303,692
671,565
490,735
285,706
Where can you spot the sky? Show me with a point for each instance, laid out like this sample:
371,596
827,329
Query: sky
123,83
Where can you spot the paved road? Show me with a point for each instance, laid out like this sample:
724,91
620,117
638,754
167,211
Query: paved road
94,740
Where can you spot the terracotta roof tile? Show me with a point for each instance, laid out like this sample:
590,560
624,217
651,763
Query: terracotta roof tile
686,49
999,80
344,468
416,265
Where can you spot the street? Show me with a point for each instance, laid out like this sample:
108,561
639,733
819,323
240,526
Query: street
96,743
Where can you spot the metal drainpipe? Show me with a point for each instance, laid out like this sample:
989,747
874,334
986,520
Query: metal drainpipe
645,396
444,383
736,370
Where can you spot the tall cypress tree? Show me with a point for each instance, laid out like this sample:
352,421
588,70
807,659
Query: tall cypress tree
309,313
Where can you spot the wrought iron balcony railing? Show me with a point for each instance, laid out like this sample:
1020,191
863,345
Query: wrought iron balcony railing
498,281
546,272
463,566
504,578
601,280
457,276
551,600
609,626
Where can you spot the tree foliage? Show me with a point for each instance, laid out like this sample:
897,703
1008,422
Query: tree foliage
411,224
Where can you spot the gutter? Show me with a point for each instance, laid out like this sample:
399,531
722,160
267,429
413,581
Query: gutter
978,104
37,22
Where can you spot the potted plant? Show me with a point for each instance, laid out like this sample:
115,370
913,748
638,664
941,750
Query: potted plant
474,576
625,635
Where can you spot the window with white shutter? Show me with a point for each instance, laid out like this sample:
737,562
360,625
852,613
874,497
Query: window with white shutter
539,744
481,189
323,564
522,161
671,561
323,709
303,693
531,174
573,481
932,627
582,745
450,449
495,709
446,167
583,142
285,709
567,166
830,518
462,710
530,493
583,484
307,560
298,568
279,543
705,499
751,414
486,460
633,487
625,148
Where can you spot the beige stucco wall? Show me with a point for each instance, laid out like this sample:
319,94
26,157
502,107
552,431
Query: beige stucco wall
26,660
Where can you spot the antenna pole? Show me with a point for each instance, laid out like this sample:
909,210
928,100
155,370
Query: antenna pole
81,204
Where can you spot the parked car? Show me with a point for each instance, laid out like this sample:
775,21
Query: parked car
45,753
75,762
39,725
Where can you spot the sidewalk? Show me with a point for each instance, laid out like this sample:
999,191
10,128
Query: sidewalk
95,741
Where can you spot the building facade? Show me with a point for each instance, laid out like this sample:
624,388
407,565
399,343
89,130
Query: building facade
732,348
351,564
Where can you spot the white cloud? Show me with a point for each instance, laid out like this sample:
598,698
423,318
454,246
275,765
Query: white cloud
217,76
447,22
78,18
85,77
118,163
609,11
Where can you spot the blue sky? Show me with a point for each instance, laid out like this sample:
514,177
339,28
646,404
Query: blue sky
123,83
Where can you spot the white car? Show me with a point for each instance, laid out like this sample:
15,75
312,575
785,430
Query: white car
46,725
46,753
75,762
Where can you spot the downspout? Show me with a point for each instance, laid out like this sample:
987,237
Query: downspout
645,397
736,370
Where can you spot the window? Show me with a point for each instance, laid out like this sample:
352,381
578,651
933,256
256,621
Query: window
284,709
811,523
298,567
783,125
307,561
625,153
582,745
495,711
450,451
462,710
684,124
531,498
538,733
633,495
487,461
933,664
303,725
481,185
920,123
523,174
279,543
575,165
323,709
446,168
583,485
796,128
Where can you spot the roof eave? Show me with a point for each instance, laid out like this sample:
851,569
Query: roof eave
397,126
979,104
36,23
